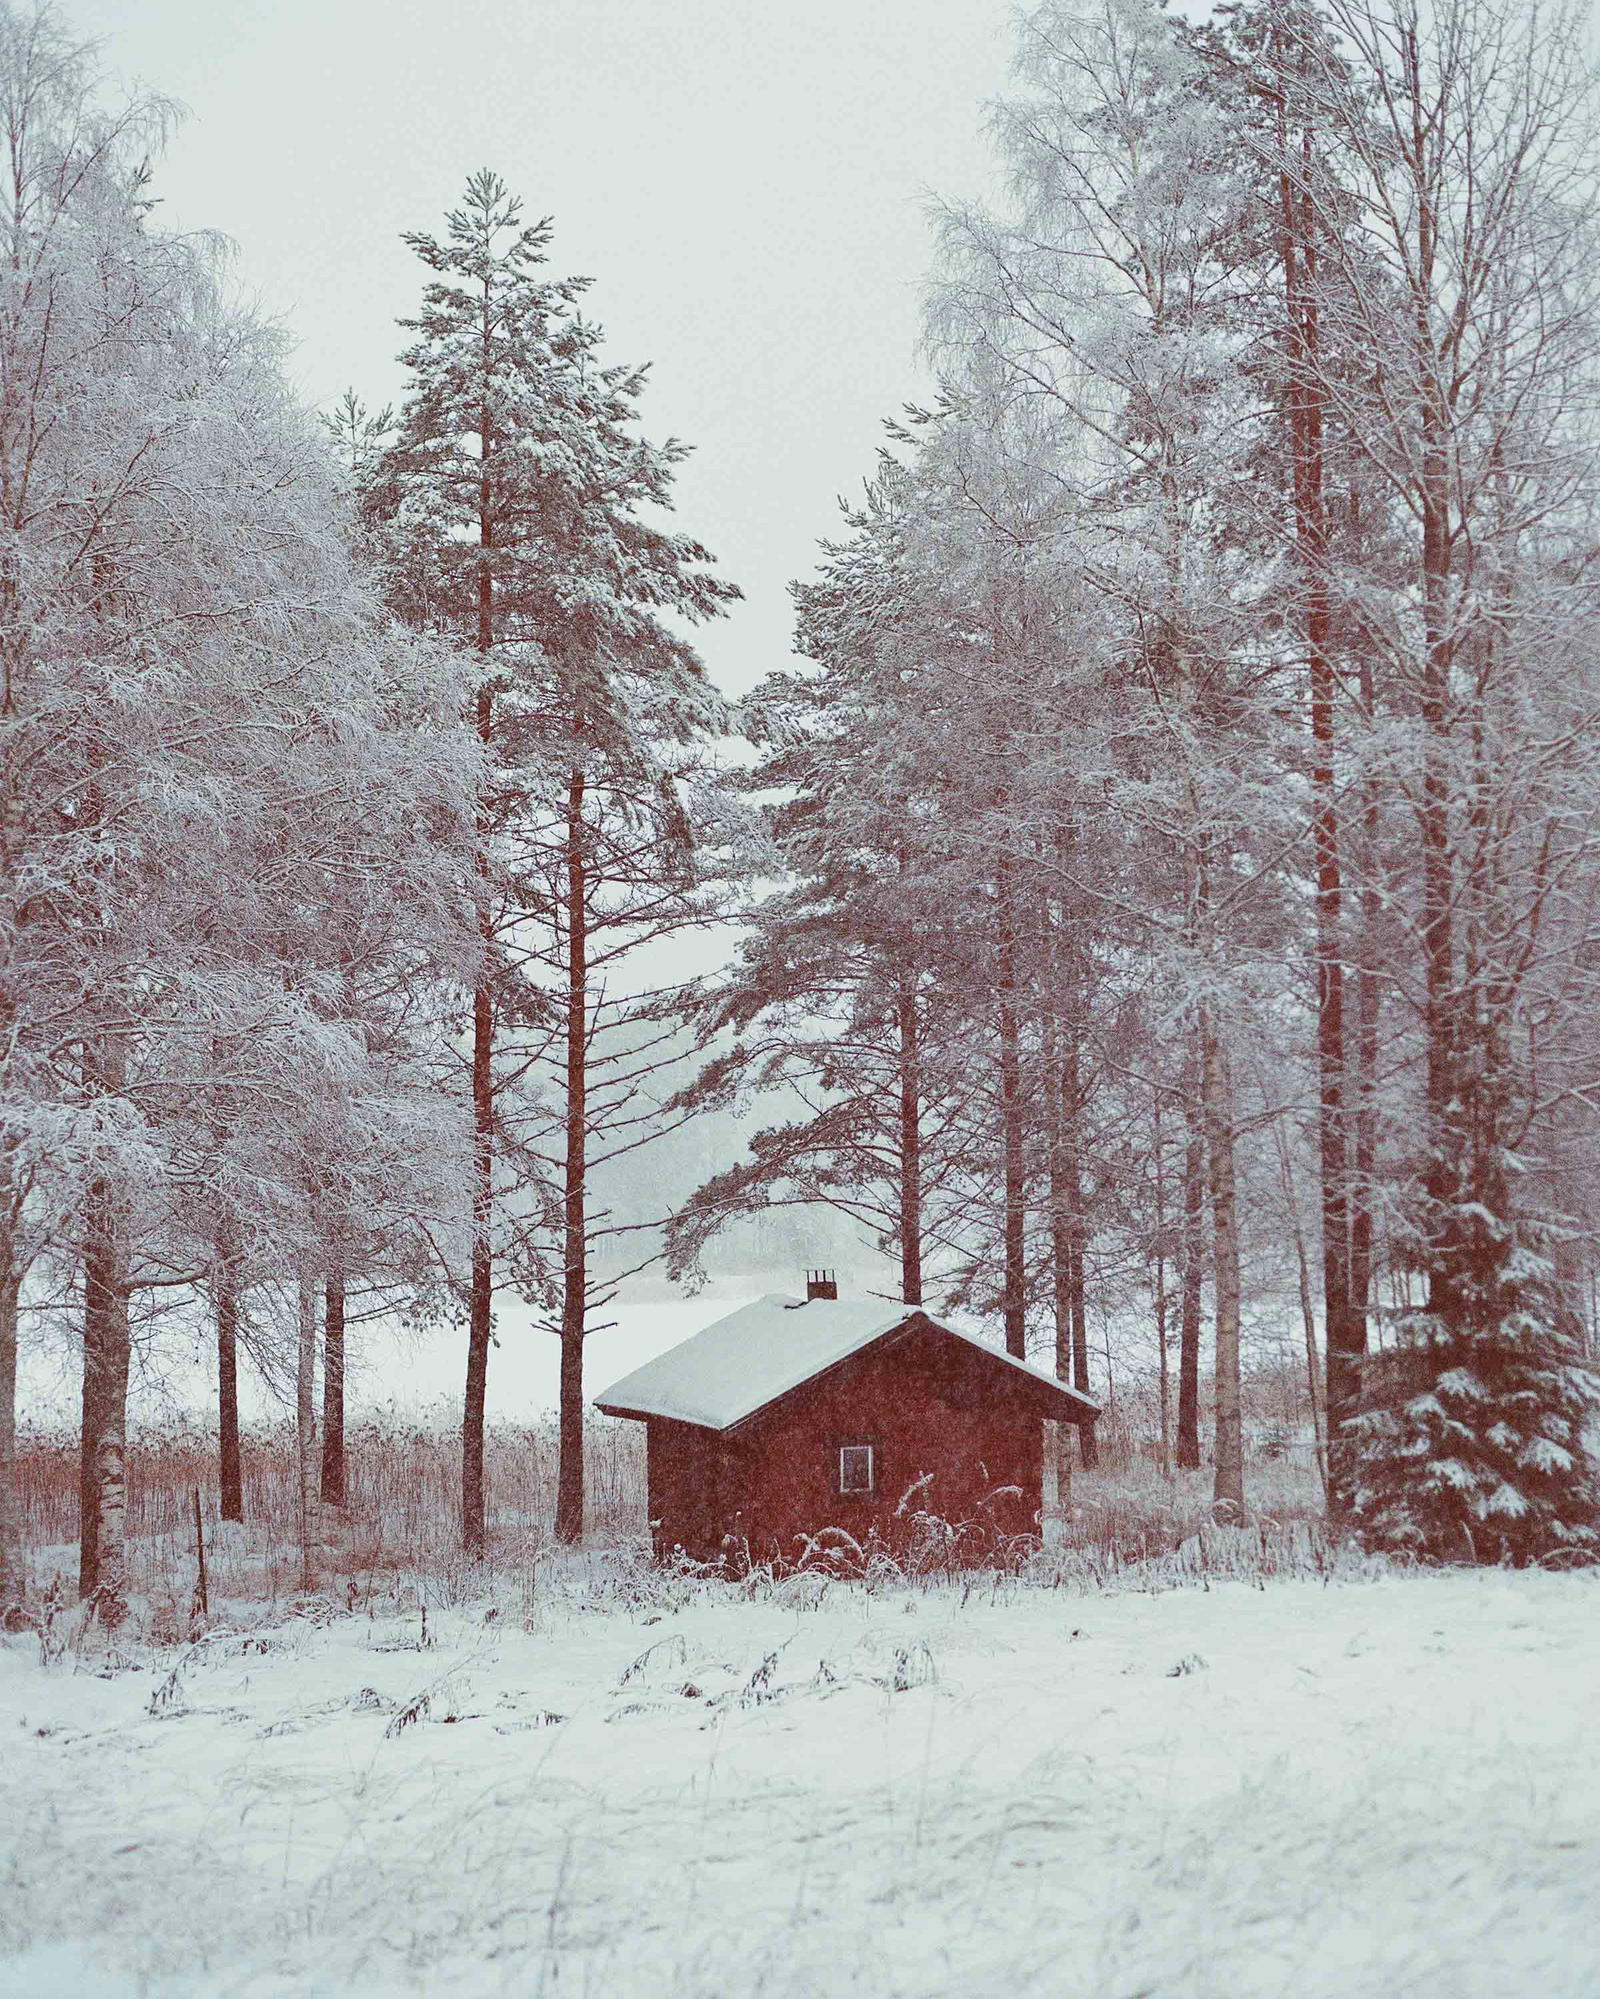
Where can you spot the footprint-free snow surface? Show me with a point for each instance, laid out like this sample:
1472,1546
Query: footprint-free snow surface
1382,1787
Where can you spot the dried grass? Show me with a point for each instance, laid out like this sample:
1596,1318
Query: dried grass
403,1483
399,1531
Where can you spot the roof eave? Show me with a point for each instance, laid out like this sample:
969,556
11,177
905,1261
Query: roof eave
647,1415
1059,1398
1079,1408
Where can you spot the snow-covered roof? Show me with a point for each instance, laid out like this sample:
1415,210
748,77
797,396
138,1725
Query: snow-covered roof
739,1364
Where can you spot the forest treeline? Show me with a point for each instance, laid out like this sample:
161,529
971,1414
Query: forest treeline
1190,794
1181,820
351,764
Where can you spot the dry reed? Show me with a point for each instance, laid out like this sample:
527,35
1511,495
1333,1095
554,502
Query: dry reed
402,1513
402,1510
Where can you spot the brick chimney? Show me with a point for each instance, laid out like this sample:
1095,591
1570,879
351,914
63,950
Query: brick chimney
821,1284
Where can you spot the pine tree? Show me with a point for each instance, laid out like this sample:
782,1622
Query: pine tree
512,510
838,998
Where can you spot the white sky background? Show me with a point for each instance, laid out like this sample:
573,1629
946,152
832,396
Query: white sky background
744,179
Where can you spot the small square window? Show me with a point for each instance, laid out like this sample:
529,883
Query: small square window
856,1468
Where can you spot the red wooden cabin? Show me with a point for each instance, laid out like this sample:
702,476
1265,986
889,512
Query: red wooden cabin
793,1416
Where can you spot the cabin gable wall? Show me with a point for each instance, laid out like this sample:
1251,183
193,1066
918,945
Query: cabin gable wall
941,1419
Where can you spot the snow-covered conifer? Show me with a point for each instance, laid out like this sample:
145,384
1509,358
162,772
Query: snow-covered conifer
515,510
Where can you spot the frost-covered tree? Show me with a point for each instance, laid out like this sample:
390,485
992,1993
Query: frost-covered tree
198,695
1108,297
1254,269
517,509
842,1006
925,998
1461,260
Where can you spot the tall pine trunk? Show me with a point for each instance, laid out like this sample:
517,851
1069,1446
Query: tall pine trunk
333,1481
909,1062
1364,1079
1057,1434
480,1325
1228,1485
1187,1442
1066,1264
1448,1144
1344,1336
1061,1220
575,1230
1163,1355
1072,1196
230,1471
1013,1303
1308,1316
305,1431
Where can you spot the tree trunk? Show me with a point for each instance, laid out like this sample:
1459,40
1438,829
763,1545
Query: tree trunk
111,1468
1364,1164
575,1231
103,1514
1061,1219
1308,1316
1364,1082
1163,1359
1343,1338
230,1470
333,1486
910,1090
13,1582
1228,1488
1194,1224
1072,1174
1013,1303
1063,1067
480,1325
305,1432
1447,1144
1058,1434
99,1374
90,1404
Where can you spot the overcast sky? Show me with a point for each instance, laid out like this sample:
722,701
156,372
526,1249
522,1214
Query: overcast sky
744,180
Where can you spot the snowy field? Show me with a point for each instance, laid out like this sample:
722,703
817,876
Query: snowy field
621,1787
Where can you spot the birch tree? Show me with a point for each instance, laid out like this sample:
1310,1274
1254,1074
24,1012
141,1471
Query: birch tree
184,640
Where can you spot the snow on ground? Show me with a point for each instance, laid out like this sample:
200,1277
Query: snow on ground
1381,1787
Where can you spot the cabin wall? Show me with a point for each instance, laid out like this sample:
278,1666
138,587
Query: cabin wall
696,1485
934,1411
